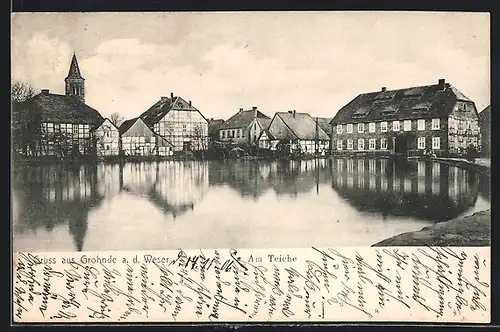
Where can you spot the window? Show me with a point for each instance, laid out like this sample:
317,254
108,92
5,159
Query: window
371,143
421,143
436,143
395,126
421,124
339,144
223,133
361,144
361,127
339,129
383,143
407,125
349,144
349,128
383,126
435,124
371,127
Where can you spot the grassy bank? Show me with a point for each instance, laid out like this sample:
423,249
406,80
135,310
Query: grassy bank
469,231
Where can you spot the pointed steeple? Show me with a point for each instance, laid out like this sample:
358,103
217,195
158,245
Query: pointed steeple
74,69
75,83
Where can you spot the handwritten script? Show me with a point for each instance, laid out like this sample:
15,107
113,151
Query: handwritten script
314,284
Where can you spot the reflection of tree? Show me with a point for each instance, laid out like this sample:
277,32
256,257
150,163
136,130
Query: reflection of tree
386,189
55,195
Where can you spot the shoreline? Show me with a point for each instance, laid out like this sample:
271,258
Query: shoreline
468,231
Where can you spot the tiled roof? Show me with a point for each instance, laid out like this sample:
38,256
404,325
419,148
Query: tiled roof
74,70
126,125
156,112
410,103
264,122
243,119
97,125
302,126
324,123
64,109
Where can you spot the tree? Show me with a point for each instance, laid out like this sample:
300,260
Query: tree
24,123
116,119
21,91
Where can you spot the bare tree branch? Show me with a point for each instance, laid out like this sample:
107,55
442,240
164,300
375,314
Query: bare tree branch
21,91
116,119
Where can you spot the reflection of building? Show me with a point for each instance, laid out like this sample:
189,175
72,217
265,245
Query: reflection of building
57,125
56,194
485,123
107,139
175,187
298,132
426,190
411,120
179,122
244,127
137,139
251,179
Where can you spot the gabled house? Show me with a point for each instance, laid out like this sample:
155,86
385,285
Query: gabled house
106,137
138,139
485,124
244,127
408,121
179,122
55,124
213,129
298,132
267,140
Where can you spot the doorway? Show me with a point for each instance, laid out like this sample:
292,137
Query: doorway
401,144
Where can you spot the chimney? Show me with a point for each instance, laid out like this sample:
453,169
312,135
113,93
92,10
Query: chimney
442,84
241,109
294,113
45,91
190,103
254,109
163,98
291,112
384,89
172,96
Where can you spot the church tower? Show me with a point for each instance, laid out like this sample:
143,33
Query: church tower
75,83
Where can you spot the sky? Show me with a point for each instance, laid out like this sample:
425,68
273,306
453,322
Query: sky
314,62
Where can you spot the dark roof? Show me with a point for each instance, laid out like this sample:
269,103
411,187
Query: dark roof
324,123
243,119
97,125
156,112
74,69
486,113
410,103
301,126
126,125
61,108
214,125
264,122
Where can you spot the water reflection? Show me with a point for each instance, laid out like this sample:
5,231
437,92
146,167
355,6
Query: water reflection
285,178
165,205
421,189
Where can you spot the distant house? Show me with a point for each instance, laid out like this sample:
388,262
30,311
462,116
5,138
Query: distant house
244,127
179,122
137,139
485,124
267,140
298,132
58,125
106,138
324,123
408,121
213,129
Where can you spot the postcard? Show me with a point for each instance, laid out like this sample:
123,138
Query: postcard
251,167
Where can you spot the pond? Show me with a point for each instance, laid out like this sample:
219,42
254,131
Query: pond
234,203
